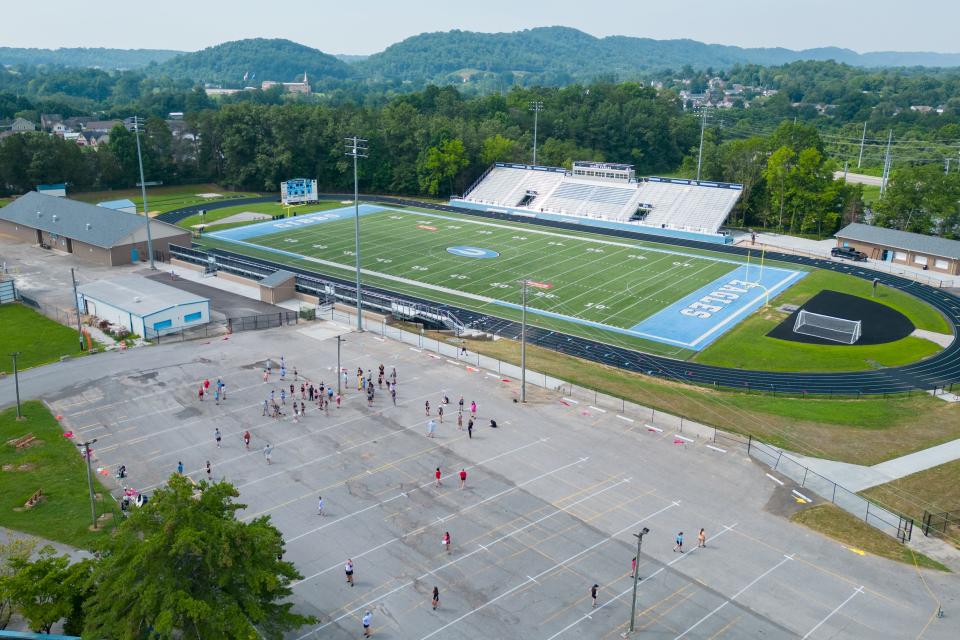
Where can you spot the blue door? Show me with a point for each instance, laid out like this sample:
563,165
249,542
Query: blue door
134,255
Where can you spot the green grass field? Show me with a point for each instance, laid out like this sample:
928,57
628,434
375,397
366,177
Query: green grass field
268,208
611,282
38,339
55,466
163,199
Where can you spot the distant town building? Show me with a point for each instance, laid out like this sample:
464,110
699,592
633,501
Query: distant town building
288,87
101,125
22,125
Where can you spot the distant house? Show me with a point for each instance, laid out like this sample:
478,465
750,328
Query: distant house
92,139
288,87
76,123
22,125
101,125
59,129
49,120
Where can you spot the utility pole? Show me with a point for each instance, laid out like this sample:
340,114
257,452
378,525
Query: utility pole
863,139
636,579
703,126
845,168
85,449
16,383
523,343
143,190
536,106
76,304
886,165
357,148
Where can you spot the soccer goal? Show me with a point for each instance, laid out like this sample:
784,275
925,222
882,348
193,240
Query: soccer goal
827,327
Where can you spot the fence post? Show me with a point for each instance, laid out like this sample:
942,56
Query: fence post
803,483
749,443
834,498
866,517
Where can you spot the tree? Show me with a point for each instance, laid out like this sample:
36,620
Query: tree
184,566
16,549
41,590
441,164
497,148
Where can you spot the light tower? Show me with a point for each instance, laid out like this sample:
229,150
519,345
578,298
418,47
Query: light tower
357,148
143,189
536,106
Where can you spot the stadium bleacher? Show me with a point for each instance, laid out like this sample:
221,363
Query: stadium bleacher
682,205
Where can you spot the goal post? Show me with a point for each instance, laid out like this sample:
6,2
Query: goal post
827,327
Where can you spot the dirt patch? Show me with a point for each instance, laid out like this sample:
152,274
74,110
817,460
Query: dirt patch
25,467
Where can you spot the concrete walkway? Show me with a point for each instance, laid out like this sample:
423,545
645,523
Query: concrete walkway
858,478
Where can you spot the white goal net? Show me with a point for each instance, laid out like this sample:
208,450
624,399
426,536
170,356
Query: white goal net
827,327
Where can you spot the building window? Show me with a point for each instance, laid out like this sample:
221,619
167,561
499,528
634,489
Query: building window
165,324
920,260
941,264
192,317
900,255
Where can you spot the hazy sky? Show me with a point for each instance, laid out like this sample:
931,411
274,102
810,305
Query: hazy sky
367,26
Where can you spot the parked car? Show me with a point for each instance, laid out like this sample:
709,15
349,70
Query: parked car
849,253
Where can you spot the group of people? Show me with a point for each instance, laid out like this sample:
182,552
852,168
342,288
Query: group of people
444,401
219,390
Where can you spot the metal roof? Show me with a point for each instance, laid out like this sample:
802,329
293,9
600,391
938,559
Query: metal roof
916,242
117,204
80,221
138,295
276,279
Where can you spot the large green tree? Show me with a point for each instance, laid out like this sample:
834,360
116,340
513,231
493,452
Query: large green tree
43,589
922,199
440,165
184,566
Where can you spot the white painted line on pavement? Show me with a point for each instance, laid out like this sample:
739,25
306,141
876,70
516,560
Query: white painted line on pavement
569,400
415,349
830,615
650,427
736,595
710,446
597,408
684,438
800,495
625,418
778,481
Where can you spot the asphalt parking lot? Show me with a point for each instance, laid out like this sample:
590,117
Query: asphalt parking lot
552,500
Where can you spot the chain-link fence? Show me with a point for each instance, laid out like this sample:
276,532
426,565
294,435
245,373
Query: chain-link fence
66,317
223,327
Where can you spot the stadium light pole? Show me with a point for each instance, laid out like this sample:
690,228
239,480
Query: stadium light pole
76,304
16,383
703,126
85,449
143,189
636,579
536,106
357,148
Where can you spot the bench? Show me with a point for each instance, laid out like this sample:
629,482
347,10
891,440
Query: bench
34,499
22,442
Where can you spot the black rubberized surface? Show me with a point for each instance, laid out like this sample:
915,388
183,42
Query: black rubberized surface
878,322
940,370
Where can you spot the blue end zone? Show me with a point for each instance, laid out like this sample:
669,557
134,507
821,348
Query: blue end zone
693,322
275,226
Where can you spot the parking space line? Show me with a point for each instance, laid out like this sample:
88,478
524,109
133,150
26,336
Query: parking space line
830,615
735,596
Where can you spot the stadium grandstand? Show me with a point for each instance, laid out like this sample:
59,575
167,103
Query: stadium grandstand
608,195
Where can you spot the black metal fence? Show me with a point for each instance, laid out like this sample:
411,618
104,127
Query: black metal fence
942,524
224,327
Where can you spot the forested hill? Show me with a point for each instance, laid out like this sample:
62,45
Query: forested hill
557,55
83,57
260,58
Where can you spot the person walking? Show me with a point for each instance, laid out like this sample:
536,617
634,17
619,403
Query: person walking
295,374
436,474
633,567
463,477
426,407
436,598
268,453
209,472
283,372
460,421
348,569
283,396
180,467
701,539
461,404
266,406
367,618
470,428
223,391
679,541
343,376
320,506
216,435
266,376
431,427
446,541
269,368
216,395
440,413
246,440
473,408
393,394
200,393
593,595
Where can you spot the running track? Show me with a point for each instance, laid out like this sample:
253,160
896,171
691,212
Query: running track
938,371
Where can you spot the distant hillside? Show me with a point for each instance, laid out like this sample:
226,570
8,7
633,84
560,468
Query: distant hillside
82,57
262,59
559,54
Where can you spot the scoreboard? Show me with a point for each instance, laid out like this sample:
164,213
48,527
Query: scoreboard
298,191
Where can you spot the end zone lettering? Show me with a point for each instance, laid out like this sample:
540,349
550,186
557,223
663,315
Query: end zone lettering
717,301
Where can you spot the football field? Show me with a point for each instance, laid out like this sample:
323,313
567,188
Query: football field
617,290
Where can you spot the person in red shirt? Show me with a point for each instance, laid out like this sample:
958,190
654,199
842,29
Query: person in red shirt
436,474
463,477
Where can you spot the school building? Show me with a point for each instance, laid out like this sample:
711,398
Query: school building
145,307
902,247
